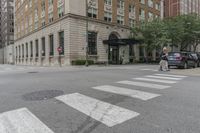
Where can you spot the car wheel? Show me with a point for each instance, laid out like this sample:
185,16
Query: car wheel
185,65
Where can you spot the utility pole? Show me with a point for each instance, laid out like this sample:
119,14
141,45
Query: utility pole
86,58
87,19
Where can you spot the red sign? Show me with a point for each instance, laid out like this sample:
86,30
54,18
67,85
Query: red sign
59,49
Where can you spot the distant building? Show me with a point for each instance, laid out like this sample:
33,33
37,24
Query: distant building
180,7
42,27
7,30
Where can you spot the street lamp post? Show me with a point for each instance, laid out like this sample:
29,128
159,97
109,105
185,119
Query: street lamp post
87,8
86,59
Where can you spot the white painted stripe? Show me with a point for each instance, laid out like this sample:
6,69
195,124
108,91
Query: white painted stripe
106,113
148,69
144,84
156,80
127,92
21,121
177,76
161,77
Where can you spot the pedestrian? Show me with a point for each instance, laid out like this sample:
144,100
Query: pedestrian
164,60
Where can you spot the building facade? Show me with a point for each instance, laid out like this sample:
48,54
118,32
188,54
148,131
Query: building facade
7,31
180,7
58,32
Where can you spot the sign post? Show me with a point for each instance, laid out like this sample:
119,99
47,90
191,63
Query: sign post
59,49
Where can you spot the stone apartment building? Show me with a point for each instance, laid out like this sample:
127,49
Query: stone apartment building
180,7
42,27
7,31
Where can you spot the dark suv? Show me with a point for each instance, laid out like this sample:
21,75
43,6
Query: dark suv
181,59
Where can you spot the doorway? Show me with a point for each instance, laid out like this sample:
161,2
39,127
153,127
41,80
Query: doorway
114,55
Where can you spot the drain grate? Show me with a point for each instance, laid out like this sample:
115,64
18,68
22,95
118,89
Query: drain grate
42,95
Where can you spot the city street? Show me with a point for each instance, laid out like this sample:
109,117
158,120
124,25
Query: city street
99,99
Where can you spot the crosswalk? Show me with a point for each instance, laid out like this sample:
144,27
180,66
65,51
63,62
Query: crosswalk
23,121
7,69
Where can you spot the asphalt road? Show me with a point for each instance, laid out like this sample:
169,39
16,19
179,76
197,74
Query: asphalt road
64,100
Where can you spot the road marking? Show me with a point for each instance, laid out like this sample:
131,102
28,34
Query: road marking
169,75
146,69
161,77
21,121
156,80
144,84
127,92
106,113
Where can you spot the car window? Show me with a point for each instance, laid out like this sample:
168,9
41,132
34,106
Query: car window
174,54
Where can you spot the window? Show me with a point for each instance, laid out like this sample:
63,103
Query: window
92,43
120,4
141,14
51,45
31,43
108,2
150,16
61,41
131,9
16,52
36,48
60,4
30,3
43,13
22,50
43,22
131,22
50,10
120,19
50,2
150,3
60,11
43,46
108,16
92,13
26,49
157,6
19,51
51,17
142,1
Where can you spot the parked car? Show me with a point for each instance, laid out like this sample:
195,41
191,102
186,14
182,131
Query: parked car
181,59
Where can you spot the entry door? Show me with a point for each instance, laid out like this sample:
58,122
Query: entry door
114,55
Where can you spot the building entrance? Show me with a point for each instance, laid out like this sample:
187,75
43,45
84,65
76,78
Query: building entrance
114,55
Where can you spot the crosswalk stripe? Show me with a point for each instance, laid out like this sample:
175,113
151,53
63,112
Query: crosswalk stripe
170,75
162,77
21,121
149,69
127,92
156,80
106,113
144,84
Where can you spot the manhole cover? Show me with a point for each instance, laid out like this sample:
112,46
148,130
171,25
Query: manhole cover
42,95
32,72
